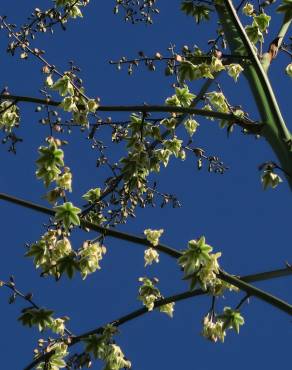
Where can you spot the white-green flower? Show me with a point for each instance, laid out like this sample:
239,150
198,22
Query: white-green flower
218,101
191,126
168,309
270,179
151,255
216,65
64,86
65,180
153,236
248,9
262,21
213,329
289,69
69,104
92,105
58,326
90,256
234,70
9,117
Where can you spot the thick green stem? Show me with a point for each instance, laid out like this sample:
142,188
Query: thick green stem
275,130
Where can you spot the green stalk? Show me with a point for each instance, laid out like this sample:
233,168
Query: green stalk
277,42
275,130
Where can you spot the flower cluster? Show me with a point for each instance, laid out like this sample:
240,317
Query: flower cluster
43,319
9,115
218,101
73,8
90,256
196,65
74,100
259,25
214,327
103,348
54,255
151,255
49,250
201,266
56,360
51,168
153,236
51,159
149,294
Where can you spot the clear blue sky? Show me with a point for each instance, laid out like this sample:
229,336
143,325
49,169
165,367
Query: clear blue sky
251,228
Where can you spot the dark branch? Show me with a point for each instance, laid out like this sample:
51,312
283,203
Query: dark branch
242,122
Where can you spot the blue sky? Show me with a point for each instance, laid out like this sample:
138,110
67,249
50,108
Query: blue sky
251,227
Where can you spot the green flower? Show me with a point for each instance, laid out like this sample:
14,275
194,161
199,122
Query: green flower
196,254
92,195
234,70
56,360
163,155
65,180
199,12
173,145
168,309
75,12
231,319
182,97
67,214
262,21
58,326
148,292
49,162
218,101
64,86
69,104
216,65
40,317
254,33
191,126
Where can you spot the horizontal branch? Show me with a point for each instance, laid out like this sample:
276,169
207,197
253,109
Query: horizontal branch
240,282
236,281
242,122
93,227
120,321
142,311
